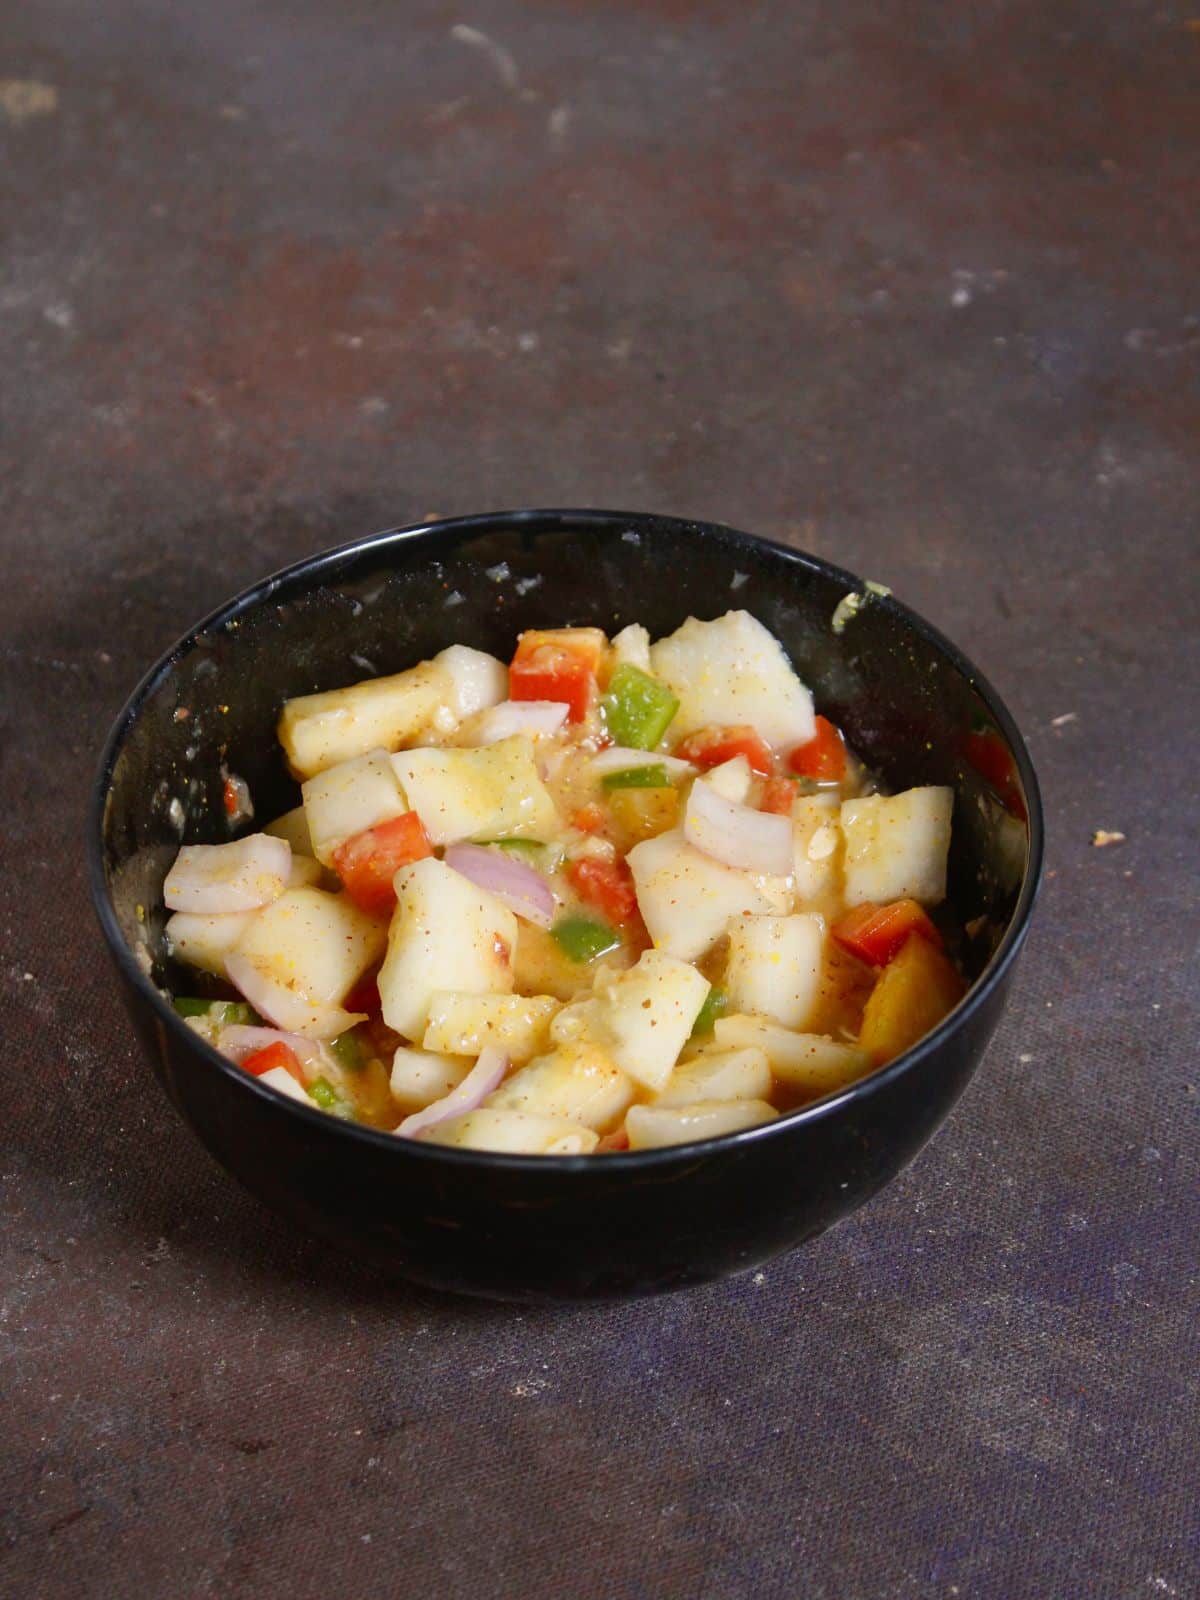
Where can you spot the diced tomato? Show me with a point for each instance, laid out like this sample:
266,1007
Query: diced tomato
365,996
992,759
823,757
607,885
231,798
558,664
369,861
589,818
276,1054
777,797
875,933
709,747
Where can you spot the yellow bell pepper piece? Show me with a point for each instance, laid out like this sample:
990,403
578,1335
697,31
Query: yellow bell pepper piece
916,989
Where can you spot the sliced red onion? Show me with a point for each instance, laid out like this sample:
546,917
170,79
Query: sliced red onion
521,888
239,1040
737,836
289,1008
534,717
486,1075
617,759
240,876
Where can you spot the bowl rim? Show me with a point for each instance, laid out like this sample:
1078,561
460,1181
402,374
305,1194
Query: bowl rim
323,565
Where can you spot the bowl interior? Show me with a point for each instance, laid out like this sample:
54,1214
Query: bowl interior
911,706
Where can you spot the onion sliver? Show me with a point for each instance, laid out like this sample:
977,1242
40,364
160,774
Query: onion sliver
617,759
240,1040
534,717
240,876
486,1075
521,888
737,836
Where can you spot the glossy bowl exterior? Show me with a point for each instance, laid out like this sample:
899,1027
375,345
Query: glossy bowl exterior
555,1227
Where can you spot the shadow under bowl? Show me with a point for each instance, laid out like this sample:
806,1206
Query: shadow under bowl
531,1227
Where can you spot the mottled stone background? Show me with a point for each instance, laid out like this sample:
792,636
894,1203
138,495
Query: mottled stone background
911,285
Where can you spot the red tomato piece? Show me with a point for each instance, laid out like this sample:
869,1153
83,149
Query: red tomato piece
276,1054
778,794
369,861
558,664
709,747
365,996
607,885
823,757
589,818
875,933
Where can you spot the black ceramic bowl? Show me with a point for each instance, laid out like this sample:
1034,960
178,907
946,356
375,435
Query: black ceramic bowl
533,1226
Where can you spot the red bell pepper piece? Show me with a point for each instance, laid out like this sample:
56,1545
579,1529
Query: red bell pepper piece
823,757
276,1054
369,861
558,664
711,746
875,933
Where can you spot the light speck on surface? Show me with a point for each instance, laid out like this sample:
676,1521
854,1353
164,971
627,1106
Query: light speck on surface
525,1388
23,99
500,58
557,123
499,572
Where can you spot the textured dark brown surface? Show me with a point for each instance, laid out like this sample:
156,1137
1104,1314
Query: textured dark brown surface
913,286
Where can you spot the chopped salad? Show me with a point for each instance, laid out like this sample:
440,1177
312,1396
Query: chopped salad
610,895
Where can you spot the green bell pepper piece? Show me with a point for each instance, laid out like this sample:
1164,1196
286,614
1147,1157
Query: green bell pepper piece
223,1013
716,1002
584,938
637,708
347,1050
322,1092
536,852
649,777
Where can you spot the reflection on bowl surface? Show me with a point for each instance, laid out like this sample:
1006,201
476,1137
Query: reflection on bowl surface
558,1227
